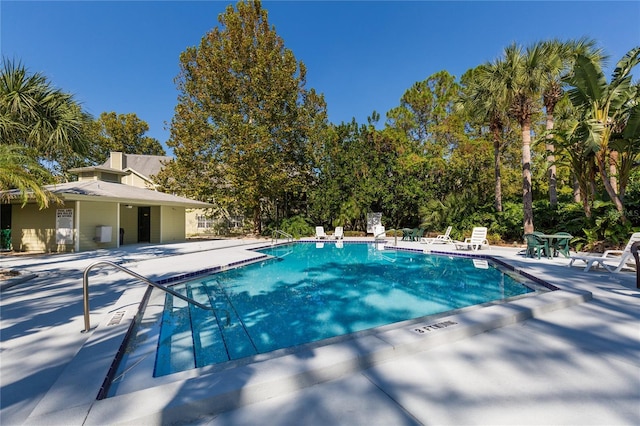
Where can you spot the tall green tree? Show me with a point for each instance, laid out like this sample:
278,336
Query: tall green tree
427,118
609,118
521,78
122,133
485,100
557,60
244,118
572,150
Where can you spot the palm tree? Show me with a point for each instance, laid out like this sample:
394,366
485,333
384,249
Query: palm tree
520,76
556,60
567,136
36,115
37,122
609,118
485,99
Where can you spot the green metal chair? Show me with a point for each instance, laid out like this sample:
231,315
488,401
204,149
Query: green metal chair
536,246
561,245
416,234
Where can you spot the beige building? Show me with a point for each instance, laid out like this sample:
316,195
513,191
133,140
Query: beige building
110,205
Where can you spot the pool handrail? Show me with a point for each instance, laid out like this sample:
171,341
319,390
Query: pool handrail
274,236
85,289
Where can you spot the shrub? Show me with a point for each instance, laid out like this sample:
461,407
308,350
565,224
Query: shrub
297,226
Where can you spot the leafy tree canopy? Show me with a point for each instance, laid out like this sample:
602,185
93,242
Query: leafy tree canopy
244,122
122,133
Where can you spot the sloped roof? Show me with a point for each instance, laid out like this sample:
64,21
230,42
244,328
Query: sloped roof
145,165
115,192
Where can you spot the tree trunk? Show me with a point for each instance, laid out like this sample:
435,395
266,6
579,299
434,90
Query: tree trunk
496,165
553,193
613,170
257,219
577,197
527,194
608,187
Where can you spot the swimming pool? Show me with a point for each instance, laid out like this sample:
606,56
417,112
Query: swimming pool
307,292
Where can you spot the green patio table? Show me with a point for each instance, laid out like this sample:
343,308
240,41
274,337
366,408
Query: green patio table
554,242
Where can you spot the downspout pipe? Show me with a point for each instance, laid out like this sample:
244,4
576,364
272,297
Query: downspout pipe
634,251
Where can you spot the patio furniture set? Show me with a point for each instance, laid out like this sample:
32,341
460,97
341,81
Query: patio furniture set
549,245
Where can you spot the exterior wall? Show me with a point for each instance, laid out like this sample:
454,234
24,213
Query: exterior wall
211,226
156,234
96,213
129,222
133,179
173,220
191,223
34,230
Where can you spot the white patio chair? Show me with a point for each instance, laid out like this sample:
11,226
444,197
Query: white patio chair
320,232
338,234
440,239
476,241
611,260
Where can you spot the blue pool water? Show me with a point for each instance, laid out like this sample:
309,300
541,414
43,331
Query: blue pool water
310,292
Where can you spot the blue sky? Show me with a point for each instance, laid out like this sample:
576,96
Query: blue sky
123,56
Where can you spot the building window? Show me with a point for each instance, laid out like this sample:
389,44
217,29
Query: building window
204,222
236,221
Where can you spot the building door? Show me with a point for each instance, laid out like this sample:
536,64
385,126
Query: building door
144,224
5,226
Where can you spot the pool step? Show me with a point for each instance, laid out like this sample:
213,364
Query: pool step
239,343
209,345
192,337
175,346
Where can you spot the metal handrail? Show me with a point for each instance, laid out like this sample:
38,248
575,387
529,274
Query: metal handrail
85,289
274,236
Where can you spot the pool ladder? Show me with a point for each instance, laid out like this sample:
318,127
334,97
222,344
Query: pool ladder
274,236
85,290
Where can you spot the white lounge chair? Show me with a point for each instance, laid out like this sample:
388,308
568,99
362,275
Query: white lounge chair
476,241
620,258
440,239
338,233
320,232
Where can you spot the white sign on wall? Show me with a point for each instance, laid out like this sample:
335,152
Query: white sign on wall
64,226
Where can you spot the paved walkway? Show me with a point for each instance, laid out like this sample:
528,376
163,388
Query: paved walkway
578,365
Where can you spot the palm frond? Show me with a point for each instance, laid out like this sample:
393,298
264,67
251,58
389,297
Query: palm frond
20,171
632,129
626,64
588,81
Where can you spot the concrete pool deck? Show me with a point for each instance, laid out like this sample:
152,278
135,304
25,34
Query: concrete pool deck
577,365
